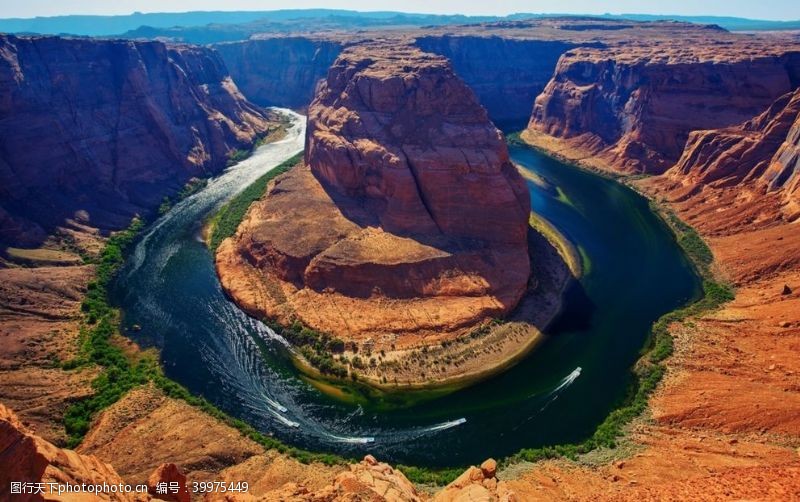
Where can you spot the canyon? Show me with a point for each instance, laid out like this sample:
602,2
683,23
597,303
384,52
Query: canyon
631,109
95,132
506,64
712,115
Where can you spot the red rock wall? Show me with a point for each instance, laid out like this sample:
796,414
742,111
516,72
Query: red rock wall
102,130
401,131
636,107
505,73
763,152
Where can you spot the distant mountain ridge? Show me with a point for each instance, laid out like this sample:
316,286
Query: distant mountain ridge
215,26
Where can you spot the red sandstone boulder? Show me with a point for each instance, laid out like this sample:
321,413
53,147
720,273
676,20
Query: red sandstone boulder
171,481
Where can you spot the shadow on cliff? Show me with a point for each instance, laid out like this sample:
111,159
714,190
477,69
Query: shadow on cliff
555,301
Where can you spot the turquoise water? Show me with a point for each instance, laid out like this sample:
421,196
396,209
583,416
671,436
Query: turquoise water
635,273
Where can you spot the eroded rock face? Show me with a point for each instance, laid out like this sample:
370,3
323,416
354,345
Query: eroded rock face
97,131
280,71
27,458
765,150
635,107
746,176
505,73
399,130
408,219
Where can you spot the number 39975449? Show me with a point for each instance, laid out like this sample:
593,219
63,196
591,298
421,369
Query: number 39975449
219,487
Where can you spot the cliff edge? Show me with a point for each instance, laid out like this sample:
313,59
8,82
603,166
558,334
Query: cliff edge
406,226
93,132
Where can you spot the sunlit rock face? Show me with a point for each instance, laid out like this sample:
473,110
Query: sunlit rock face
634,107
407,219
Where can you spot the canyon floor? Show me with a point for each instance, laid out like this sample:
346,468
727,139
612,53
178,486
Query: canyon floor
723,425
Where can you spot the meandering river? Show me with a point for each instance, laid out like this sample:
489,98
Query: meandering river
634,272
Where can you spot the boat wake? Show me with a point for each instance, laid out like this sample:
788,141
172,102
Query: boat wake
444,425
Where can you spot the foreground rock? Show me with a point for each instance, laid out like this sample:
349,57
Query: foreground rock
477,483
406,226
631,109
27,458
367,480
96,131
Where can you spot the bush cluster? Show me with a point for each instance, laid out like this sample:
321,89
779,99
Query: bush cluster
100,324
228,218
317,348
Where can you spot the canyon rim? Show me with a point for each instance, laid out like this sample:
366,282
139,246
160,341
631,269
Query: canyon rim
399,250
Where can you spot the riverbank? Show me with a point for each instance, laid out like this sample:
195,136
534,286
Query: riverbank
488,351
384,369
720,422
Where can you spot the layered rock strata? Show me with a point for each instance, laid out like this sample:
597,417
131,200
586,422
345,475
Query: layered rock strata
507,64
96,131
407,223
505,73
631,109
757,164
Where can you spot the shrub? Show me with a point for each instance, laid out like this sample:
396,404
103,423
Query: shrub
228,218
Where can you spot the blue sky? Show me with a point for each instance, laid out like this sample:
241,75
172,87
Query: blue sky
764,9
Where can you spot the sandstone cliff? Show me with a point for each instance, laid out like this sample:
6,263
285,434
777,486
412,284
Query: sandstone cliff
97,131
761,156
507,64
504,72
280,71
407,221
631,109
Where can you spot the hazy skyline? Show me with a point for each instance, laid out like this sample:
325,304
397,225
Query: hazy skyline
773,10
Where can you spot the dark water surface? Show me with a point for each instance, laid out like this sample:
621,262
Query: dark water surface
634,273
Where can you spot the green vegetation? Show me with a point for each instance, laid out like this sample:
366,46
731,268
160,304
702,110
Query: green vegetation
649,371
177,391
426,476
239,154
317,348
223,224
690,241
191,187
119,375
